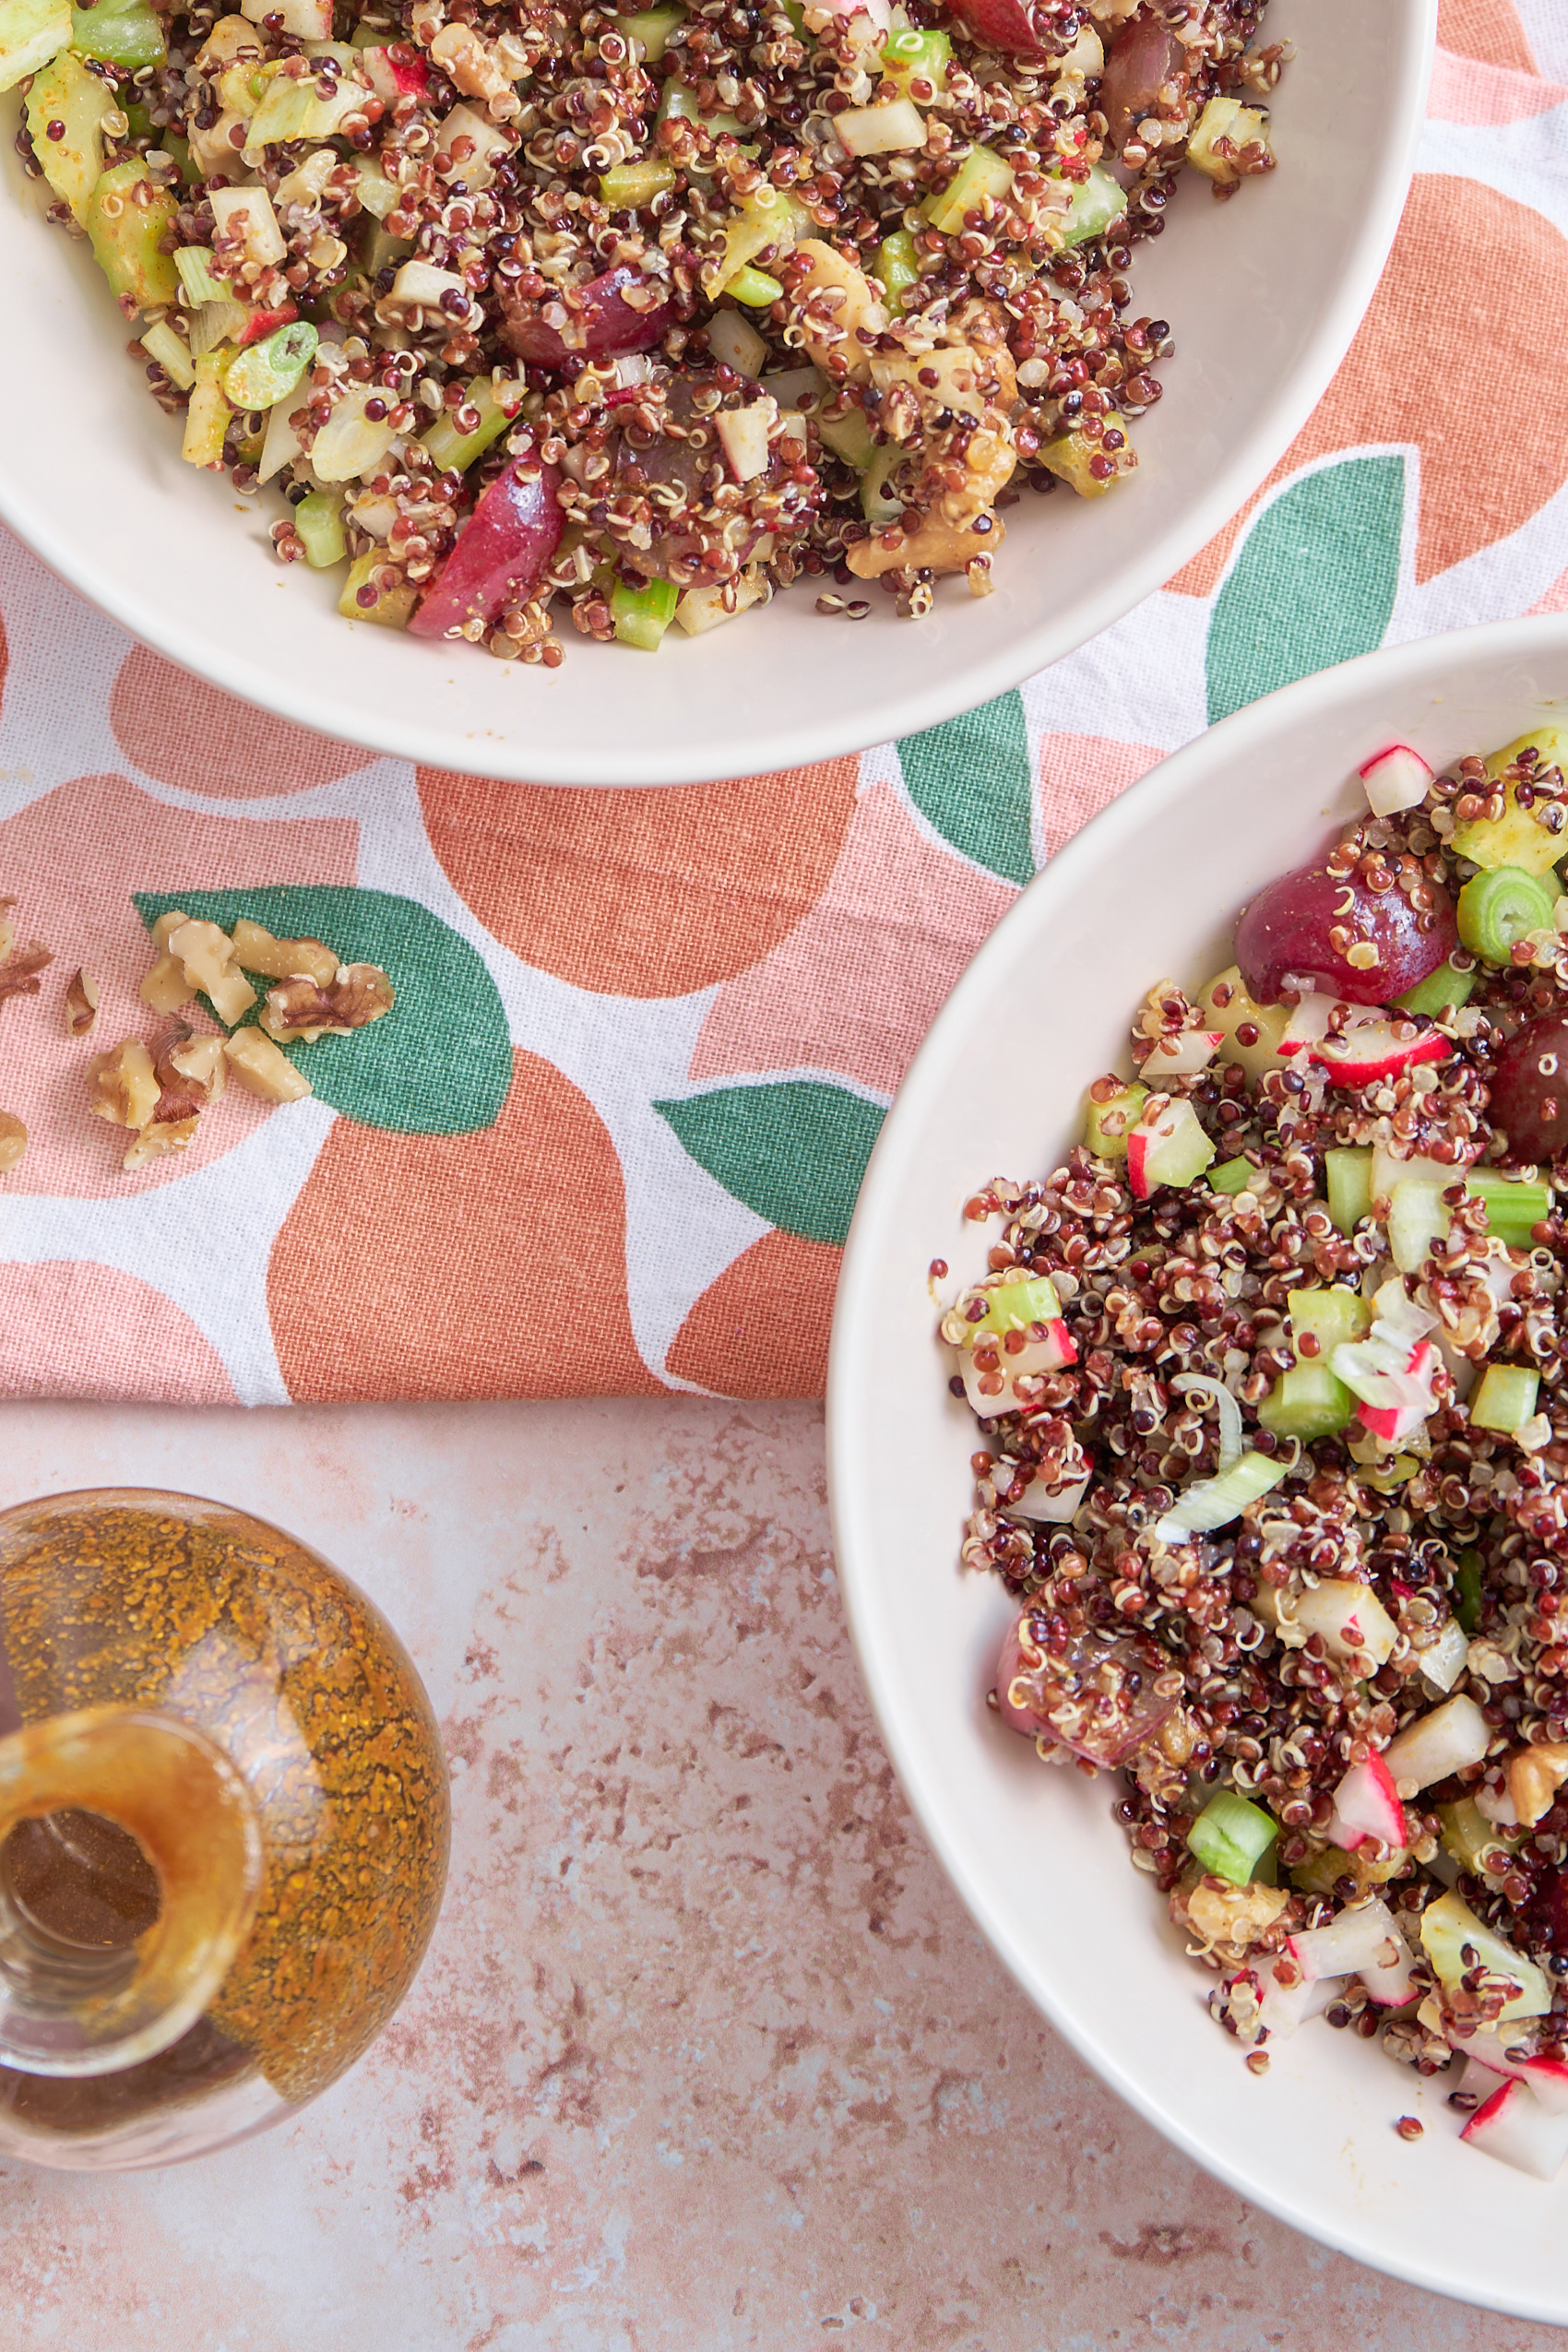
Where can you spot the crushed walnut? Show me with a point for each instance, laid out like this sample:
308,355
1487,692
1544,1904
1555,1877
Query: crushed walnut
13,1142
264,1069
81,1004
299,1008
19,967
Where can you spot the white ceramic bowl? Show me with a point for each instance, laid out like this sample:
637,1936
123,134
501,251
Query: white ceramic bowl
1264,295
1150,888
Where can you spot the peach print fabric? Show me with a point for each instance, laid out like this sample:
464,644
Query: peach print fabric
648,1038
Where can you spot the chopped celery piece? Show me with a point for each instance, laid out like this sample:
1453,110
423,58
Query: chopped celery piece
1231,1835
629,184
981,173
169,348
651,27
1500,906
126,219
120,32
207,411
72,103
642,615
292,109
768,216
1449,1930
679,103
918,56
1097,202
1350,1176
379,249
1513,1211
1333,1316
31,31
266,371
1013,1306
754,288
1418,1220
896,265
1232,1175
1467,1592
1516,838
880,506
1073,457
320,521
1320,1873
363,600
1106,1124
848,437
1479,1846
1440,991
451,448
194,265
1307,1402
1506,1397
796,12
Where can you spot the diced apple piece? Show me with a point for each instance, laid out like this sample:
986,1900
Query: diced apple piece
351,441
247,213
1227,1007
743,435
1444,1742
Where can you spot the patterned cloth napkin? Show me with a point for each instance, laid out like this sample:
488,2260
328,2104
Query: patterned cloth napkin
648,1038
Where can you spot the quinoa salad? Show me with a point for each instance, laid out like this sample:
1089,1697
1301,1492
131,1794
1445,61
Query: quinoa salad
1273,1395
533,313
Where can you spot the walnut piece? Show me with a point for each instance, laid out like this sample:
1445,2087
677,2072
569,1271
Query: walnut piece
21,967
183,1066
161,1135
298,1008
207,955
282,959
1535,1775
81,1004
124,1087
166,988
198,1060
263,1069
13,1141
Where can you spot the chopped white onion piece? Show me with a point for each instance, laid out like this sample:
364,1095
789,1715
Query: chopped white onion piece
894,129
1231,1442
1214,1502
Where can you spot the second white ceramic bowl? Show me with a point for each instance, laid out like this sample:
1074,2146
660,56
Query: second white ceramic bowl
1264,295
1151,889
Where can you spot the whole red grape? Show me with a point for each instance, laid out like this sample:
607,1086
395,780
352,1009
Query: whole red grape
1146,56
1309,923
1530,1089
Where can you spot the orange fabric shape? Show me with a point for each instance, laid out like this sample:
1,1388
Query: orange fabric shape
1488,31
71,859
1556,598
489,1265
71,1327
199,738
761,1330
859,981
1079,774
1485,96
1424,369
641,894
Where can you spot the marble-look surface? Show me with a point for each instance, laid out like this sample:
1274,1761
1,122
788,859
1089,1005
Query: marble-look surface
705,2055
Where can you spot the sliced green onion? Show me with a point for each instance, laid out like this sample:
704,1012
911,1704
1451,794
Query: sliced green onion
642,615
1513,1211
1208,1503
169,348
1440,991
1231,1835
450,449
1467,1592
320,521
265,373
1497,908
1350,1176
1232,1175
1505,1398
754,287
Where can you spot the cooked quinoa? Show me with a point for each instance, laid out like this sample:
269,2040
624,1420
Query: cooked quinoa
710,296
1168,1642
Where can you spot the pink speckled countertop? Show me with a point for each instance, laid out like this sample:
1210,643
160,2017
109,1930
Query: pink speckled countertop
705,2055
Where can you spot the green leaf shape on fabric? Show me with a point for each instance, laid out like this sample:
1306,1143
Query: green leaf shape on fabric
972,779
1314,585
440,1063
794,1151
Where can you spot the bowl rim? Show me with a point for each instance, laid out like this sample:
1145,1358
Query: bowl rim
854,1323
800,739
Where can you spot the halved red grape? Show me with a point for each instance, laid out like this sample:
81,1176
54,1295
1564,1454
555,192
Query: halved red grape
510,537
1530,1089
1146,56
1017,28
1309,922
610,323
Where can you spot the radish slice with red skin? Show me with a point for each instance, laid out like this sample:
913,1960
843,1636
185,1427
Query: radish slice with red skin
1391,1978
1516,2127
1366,1804
1547,2077
1371,1050
511,536
1396,778
1445,1740
1353,1939
1103,1692
611,325
1183,1055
